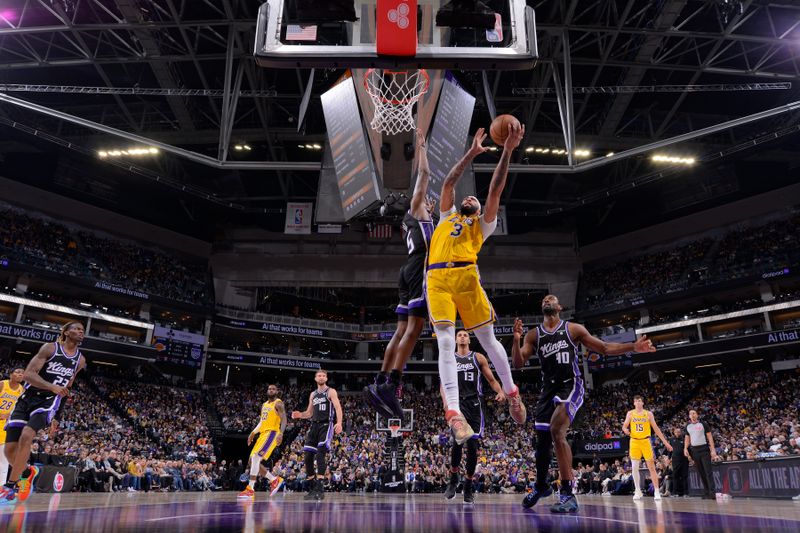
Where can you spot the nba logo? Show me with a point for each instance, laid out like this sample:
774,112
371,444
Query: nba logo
58,482
298,217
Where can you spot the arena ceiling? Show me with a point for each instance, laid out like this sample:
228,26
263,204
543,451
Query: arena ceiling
168,70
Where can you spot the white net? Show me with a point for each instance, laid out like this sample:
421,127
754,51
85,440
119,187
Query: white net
393,94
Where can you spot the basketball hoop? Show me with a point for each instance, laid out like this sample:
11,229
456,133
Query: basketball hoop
394,425
393,94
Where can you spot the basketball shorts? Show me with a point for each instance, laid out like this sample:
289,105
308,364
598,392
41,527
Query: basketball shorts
570,392
452,291
265,444
411,288
34,410
289,435
319,437
472,409
641,449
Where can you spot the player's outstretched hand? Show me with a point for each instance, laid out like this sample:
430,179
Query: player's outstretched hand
337,429
669,447
517,328
296,415
643,344
477,147
500,397
515,135
250,439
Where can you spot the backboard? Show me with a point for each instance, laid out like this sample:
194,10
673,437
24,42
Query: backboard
310,33
406,424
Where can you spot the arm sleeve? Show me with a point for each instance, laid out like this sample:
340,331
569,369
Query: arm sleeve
488,227
444,214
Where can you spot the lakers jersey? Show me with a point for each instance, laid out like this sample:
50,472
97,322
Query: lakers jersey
8,399
458,238
270,419
640,425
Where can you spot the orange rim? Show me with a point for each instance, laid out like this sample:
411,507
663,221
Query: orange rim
404,101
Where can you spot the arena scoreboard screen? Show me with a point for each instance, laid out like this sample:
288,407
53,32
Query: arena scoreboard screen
180,347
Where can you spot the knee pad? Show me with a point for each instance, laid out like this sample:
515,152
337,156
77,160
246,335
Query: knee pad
446,338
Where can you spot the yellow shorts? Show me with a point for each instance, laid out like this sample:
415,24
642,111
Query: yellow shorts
458,290
641,448
266,443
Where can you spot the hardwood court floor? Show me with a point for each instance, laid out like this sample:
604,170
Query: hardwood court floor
371,513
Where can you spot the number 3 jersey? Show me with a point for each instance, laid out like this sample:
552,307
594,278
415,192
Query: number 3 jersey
561,376
459,238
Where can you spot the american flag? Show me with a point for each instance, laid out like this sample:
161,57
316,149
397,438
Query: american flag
380,231
295,32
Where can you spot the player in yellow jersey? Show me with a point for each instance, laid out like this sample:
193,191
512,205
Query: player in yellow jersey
637,425
270,427
453,284
10,391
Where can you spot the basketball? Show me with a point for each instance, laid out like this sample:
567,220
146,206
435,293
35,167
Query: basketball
499,128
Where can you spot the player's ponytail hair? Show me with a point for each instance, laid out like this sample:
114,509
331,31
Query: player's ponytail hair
63,335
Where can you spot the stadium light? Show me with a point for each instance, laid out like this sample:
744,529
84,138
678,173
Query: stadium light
662,158
76,312
136,151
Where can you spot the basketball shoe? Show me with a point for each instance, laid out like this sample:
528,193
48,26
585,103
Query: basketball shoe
516,408
637,495
388,394
275,485
567,503
247,494
373,399
25,483
469,495
533,497
7,495
450,492
461,429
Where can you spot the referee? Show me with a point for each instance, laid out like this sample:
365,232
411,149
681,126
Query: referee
699,446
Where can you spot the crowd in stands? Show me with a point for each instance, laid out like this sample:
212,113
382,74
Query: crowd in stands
755,249
752,414
176,418
49,245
